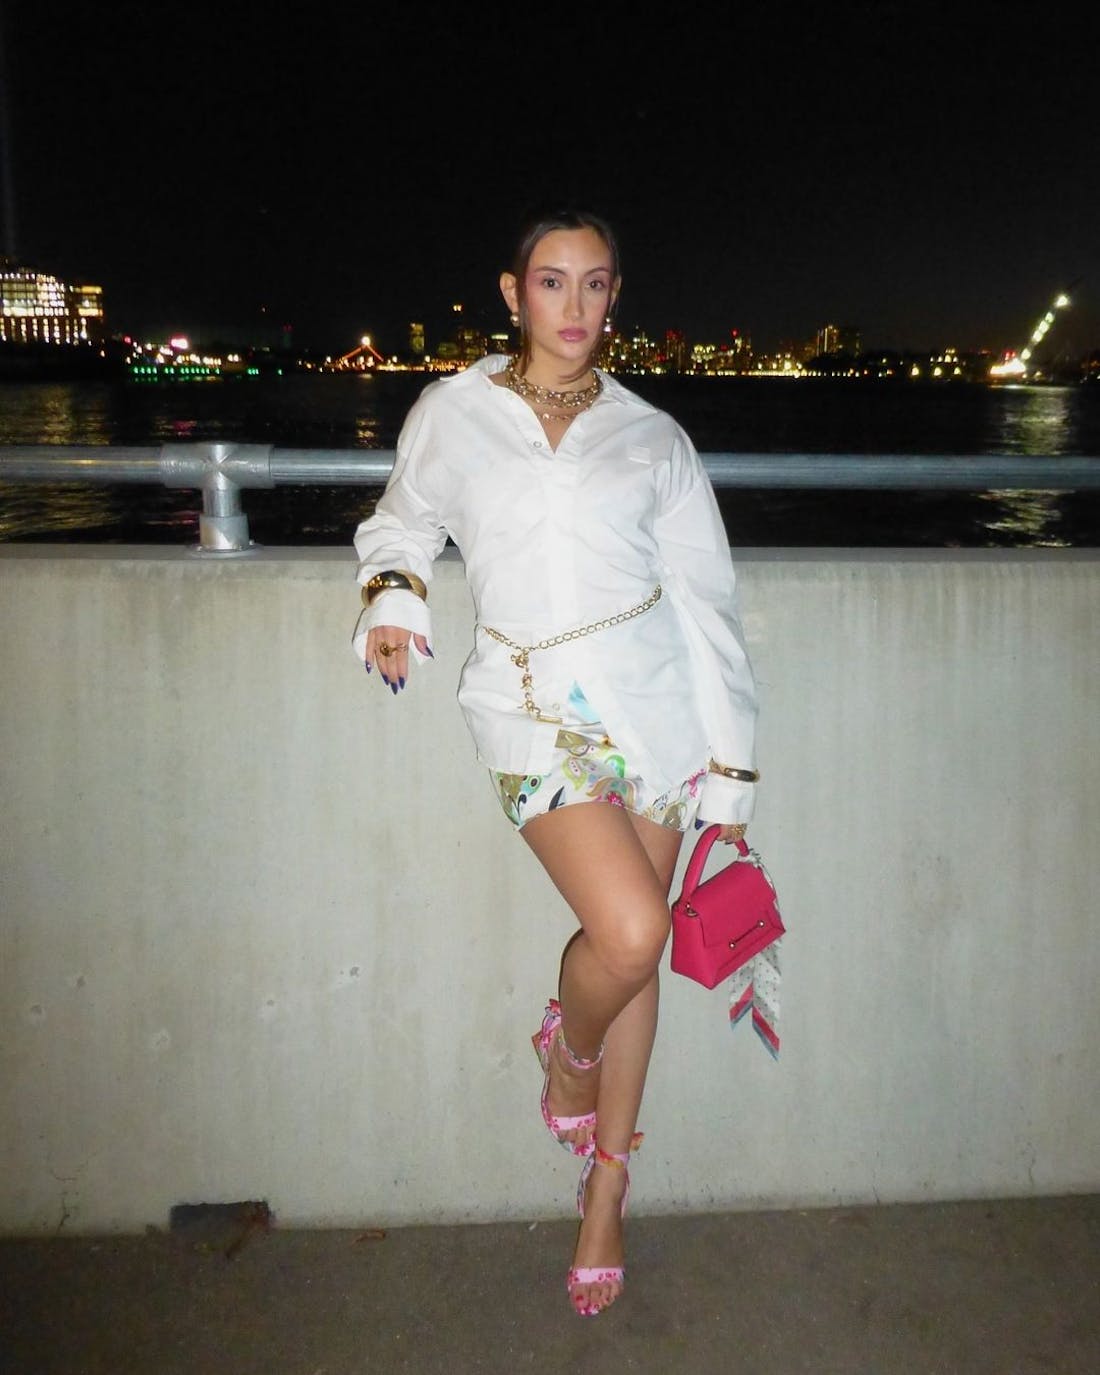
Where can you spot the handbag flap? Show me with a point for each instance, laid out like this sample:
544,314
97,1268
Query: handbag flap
736,904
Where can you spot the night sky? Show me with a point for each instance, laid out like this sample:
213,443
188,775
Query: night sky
927,172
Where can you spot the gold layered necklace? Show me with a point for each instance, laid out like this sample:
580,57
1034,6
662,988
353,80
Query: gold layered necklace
548,404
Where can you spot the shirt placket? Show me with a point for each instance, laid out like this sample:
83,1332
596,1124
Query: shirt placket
557,479
561,571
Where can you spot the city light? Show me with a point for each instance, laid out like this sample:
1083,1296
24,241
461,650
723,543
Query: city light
1010,367
1015,367
39,310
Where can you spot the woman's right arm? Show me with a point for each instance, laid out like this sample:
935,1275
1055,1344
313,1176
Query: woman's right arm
405,534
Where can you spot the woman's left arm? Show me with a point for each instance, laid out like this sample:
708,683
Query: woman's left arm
698,573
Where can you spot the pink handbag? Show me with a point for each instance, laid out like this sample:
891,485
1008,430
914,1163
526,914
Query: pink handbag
719,925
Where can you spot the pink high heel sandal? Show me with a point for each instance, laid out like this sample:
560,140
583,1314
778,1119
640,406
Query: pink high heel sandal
543,1041
599,1274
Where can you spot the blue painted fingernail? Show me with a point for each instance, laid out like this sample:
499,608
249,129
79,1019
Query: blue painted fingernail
428,652
366,665
401,681
393,688
382,671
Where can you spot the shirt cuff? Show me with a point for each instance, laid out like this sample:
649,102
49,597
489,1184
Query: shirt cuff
395,606
726,801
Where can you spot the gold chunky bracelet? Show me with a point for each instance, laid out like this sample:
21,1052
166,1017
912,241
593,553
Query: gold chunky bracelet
741,775
399,579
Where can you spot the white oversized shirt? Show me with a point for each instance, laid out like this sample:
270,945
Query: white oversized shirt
554,540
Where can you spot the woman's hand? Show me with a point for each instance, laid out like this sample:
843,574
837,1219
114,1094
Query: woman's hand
388,652
728,834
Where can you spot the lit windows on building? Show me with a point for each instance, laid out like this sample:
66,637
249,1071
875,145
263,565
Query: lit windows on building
675,351
36,308
850,340
828,339
636,354
470,344
729,359
838,339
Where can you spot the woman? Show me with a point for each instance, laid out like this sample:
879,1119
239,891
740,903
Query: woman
608,667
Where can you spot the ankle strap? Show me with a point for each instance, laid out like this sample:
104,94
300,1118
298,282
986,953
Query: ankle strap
618,1162
577,1061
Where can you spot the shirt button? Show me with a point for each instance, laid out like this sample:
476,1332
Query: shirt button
536,443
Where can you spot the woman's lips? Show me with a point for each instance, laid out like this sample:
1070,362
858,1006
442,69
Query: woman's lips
572,336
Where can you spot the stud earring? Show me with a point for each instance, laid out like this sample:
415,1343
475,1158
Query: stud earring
514,318
607,325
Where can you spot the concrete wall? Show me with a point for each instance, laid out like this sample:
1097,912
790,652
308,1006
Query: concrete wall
266,934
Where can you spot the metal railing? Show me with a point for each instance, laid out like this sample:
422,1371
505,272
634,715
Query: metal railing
223,471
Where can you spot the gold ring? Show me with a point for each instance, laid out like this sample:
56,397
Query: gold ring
386,650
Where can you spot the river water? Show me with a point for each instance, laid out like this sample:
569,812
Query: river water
808,416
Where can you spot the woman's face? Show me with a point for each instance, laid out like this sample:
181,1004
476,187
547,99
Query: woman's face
569,291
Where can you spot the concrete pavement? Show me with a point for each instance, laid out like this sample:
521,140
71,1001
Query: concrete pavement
975,1288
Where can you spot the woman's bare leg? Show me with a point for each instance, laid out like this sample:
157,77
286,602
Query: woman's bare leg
614,869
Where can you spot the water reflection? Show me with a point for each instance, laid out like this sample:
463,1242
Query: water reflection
56,413
334,412
1033,420
1036,420
1025,518
58,511
366,432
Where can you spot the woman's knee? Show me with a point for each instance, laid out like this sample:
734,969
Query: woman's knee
631,950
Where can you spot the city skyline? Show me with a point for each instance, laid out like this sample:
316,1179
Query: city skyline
37,309
929,179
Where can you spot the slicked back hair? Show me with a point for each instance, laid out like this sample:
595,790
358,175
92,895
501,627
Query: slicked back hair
535,228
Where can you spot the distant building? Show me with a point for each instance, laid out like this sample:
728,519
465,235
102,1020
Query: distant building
827,339
676,351
851,340
636,354
470,343
741,345
838,339
36,308
734,357
784,362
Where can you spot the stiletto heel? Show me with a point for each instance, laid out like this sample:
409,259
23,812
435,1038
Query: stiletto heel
600,1274
549,1034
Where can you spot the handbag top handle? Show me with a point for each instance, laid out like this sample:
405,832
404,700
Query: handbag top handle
698,860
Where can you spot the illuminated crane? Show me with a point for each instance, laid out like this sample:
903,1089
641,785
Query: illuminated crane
1015,365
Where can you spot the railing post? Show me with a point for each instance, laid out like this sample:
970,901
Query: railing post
220,470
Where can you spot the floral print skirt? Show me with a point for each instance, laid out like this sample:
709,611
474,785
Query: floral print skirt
588,767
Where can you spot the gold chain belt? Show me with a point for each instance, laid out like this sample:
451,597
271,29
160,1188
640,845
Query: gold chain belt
522,657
